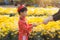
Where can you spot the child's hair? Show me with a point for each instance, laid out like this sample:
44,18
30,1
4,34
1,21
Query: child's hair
22,8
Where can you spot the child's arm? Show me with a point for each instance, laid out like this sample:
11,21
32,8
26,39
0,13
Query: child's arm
26,27
31,26
23,26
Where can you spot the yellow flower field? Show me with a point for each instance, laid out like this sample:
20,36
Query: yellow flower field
31,10
10,24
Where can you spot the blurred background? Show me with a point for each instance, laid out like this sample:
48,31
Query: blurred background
40,3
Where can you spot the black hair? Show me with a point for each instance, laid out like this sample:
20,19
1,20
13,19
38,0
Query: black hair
22,10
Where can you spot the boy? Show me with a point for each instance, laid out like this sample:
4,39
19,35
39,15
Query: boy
24,27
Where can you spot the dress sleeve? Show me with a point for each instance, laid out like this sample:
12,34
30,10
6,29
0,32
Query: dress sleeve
23,26
30,27
56,16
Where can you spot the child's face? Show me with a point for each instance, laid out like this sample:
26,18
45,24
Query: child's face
24,14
